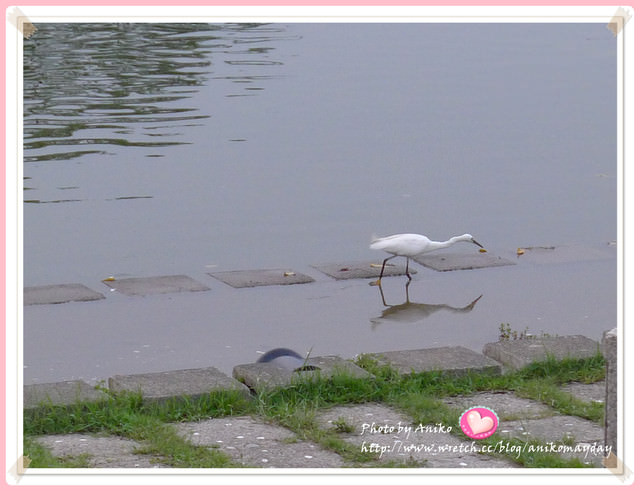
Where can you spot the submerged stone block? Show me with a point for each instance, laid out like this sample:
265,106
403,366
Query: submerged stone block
163,386
155,285
50,294
455,360
261,277
565,254
518,353
458,261
271,375
363,269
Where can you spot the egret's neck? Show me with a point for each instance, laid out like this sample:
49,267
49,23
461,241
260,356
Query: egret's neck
452,240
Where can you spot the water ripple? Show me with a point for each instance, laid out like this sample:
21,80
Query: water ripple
91,87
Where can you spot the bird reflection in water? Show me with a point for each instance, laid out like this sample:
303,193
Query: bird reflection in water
413,312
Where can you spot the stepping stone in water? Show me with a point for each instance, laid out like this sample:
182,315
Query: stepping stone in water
155,285
454,262
565,254
362,269
72,292
261,277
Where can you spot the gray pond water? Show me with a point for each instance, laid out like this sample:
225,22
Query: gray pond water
157,149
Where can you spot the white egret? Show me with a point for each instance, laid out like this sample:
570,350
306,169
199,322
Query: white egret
411,245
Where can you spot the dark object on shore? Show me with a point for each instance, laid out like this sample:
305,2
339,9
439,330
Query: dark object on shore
286,358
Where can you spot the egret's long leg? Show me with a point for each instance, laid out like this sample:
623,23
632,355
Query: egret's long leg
383,265
406,271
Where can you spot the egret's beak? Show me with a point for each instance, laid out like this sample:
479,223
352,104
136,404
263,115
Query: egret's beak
477,243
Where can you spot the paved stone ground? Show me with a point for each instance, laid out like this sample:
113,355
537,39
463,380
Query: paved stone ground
100,451
401,441
255,443
525,419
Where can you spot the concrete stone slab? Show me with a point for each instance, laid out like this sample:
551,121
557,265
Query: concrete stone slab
363,269
163,386
261,277
565,254
575,433
270,375
256,444
391,436
595,392
459,261
518,353
505,404
455,360
100,451
60,394
154,285
50,294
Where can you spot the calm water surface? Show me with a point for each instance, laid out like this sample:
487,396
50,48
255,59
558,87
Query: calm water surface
184,149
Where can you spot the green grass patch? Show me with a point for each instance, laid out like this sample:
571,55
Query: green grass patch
40,457
213,405
586,370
